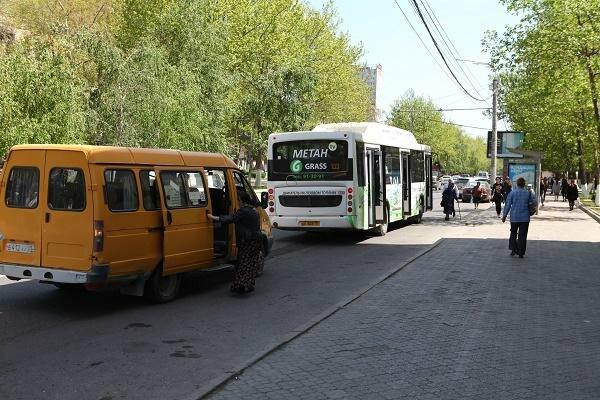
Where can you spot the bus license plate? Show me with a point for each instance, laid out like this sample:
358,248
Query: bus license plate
310,223
20,247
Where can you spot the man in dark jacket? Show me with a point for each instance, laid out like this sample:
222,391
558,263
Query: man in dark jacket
572,194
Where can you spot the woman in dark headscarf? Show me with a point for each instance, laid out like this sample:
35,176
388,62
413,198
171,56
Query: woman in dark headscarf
448,196
248,239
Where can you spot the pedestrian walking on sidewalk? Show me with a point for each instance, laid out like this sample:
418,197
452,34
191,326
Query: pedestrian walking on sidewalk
563,188
519,203
497,197
247,236
449,195
477,192
556,189
506,188
543,187
572,194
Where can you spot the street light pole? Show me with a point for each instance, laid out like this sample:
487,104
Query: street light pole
494,130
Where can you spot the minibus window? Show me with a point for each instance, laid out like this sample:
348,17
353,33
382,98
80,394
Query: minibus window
22,188
150,194
242,185
121,190
66,189
196,192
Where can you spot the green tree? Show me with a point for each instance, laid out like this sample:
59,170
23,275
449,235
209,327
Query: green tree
453,150
549,64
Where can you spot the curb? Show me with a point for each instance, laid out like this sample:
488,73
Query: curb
217,383
589,212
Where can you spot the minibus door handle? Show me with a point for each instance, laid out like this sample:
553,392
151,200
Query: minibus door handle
47,217
169,218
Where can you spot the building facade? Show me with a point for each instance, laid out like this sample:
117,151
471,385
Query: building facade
373,77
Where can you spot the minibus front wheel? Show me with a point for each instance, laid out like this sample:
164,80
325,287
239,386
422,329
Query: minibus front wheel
161,289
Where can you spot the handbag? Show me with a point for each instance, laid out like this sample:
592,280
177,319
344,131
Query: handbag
531,205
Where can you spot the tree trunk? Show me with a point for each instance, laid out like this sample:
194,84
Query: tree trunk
582,176
594,90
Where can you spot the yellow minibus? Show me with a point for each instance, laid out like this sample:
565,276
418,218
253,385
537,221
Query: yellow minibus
101,217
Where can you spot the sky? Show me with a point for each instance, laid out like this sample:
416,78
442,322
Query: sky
388,39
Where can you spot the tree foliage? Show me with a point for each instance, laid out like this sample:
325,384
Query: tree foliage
453,150
216,75
549,66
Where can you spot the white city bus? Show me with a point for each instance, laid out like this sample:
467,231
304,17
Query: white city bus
359,176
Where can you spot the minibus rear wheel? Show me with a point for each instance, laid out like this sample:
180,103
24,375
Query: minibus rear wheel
161,289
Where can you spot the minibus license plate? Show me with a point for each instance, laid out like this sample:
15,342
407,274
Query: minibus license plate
310,223
20,247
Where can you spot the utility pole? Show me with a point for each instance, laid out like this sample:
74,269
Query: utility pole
494,130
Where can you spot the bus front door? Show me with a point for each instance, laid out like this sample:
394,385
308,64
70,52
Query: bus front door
406,185
429,183
375,187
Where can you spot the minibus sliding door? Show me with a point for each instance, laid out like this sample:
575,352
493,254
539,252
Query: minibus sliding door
188,233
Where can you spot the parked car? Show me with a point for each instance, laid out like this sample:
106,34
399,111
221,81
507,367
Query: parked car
460,183
467,192
482,179
443,181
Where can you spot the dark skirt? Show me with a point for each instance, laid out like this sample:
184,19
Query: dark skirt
247,266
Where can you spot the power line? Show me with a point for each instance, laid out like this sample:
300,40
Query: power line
457,55
445,109
440,51
438,28
421,40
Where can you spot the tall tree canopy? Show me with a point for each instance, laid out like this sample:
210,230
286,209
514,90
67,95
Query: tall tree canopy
217,75
549,66
453,150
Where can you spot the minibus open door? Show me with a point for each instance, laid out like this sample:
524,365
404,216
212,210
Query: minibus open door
188,232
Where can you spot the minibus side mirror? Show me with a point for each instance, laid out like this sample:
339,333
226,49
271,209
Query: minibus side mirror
264,200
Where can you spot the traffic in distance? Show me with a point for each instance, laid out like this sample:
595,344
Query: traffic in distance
104,218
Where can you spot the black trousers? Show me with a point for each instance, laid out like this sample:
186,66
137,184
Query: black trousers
518,237
498,205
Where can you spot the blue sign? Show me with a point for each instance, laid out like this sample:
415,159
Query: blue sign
525,171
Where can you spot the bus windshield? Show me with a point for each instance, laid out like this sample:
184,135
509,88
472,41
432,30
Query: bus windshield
310,160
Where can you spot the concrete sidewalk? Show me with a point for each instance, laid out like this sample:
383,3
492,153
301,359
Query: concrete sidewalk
464,321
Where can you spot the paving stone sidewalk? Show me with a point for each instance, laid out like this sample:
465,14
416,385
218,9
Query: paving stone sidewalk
464,321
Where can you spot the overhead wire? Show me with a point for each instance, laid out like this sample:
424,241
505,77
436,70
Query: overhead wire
421,40
440,52
456,54
439,29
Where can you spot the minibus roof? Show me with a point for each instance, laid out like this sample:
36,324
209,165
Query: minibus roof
130,155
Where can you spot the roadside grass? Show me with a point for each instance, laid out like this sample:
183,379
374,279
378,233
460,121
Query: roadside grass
589,204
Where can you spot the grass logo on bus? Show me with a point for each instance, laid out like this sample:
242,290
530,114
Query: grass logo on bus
296,166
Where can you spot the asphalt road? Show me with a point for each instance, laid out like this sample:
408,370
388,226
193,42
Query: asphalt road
58,345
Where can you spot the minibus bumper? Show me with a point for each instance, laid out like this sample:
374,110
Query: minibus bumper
97,274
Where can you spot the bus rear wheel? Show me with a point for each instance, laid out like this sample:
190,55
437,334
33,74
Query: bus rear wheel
162,289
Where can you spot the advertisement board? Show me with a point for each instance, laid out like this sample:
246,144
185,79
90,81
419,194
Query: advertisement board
506,140
526,171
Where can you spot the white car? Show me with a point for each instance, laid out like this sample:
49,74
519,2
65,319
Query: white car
443,182
460,183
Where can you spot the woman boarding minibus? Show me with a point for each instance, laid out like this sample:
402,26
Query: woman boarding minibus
112,216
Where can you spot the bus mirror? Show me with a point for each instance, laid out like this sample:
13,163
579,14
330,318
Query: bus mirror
264,200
